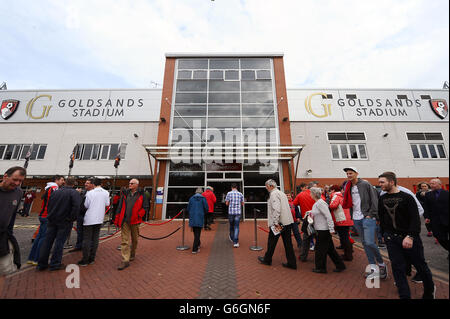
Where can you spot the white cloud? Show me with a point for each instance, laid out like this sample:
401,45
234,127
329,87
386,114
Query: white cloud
326,43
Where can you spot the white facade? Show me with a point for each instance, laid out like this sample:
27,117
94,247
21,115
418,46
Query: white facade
315,113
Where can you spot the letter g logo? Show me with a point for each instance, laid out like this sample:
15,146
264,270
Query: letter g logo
326,107
45,109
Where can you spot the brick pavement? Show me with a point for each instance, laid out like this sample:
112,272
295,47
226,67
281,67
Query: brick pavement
161,271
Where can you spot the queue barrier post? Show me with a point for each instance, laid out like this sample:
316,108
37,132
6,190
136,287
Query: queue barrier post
255,247
183,246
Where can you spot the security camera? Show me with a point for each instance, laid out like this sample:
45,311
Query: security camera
135,135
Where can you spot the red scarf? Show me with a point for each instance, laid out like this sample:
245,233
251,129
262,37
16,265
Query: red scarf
348,203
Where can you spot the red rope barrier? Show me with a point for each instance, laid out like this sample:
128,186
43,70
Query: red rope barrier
106,237
167,221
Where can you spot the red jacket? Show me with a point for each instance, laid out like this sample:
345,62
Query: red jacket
210,199
305,202
43,213
334,203
292,206
138,211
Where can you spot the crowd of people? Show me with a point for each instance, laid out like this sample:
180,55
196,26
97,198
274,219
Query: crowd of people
388,216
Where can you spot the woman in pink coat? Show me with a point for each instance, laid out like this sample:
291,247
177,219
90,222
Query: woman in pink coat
342,221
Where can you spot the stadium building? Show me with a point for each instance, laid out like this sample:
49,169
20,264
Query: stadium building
222,119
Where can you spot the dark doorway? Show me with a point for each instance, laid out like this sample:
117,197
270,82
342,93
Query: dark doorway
220,190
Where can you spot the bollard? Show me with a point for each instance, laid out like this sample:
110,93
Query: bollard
183,247
255,247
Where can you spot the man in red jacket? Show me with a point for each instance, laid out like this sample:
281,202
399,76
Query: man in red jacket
133,205
211,200
305,201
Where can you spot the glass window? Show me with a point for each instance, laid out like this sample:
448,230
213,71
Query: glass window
41,153
224,122
178,194
24,152
223,64
185,75
255,63
344,151
215,175
432,150
9,151
185,167
263,74
423,150
258,122
229,110
192,85
335,151
200,75
231,75
257,109
269,166
353,153
114,150
441,150
224,98
173,209
34,151
190,98
193,64
223,167
189,122
248,75
362,151
16,152
2,151
415,151
337,136
217,75
105,151
256,194
186,179
217,85
233,175
257,97
261,85
95,151
187,136
250,211
190,110
87,151
258,179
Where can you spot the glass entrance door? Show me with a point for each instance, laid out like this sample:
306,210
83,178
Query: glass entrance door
221,188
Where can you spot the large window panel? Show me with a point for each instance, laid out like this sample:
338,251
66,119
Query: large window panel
180,194
255,63
192,85
189,122
190,98
184,74
16,152
218,85
261,85
185,167
423,150
261,211
24,152
232,75
258,122
257,109
173,209
224,122
193,64
441,150
41,153
199,75
415,151
87,151
224,98
257,179
263,74
256,97
216,74
187,179
224,110
190,110
224,64
113,151
248,75
256,194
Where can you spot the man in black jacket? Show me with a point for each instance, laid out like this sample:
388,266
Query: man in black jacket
63,208
400,225
436,212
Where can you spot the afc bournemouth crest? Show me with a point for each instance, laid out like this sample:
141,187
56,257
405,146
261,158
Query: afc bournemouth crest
8,108
440,108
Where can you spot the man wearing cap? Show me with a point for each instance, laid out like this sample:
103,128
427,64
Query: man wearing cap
362,200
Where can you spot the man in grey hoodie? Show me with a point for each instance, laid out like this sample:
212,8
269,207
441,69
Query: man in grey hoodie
362,199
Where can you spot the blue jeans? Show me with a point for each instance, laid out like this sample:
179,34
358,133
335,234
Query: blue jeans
366,229
379,235
56,234
296,233
234,227
36,248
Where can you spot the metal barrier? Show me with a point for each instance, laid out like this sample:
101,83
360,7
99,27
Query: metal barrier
256,247
183,246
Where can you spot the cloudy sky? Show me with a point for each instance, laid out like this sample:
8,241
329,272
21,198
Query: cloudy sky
62,44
